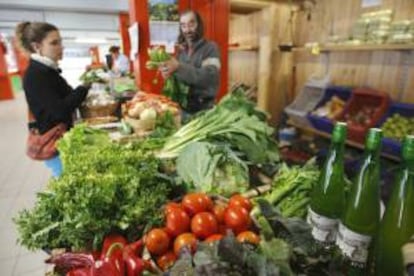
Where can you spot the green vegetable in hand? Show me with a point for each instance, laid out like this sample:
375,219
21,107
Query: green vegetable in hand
173,88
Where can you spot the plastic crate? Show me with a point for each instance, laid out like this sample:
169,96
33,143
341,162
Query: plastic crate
392,146
305,102
360,98
323,123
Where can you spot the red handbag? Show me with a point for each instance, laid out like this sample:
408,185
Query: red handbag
43,146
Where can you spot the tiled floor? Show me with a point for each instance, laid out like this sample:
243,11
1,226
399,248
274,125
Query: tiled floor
20,179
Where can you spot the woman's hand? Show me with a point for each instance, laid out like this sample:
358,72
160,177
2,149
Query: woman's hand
168,67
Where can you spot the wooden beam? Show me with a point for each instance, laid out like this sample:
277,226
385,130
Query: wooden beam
266,41
252,4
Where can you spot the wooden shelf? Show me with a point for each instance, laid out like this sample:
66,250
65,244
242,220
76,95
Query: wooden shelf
348,142
362,47
369,47
244,48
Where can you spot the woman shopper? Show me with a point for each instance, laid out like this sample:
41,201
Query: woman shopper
51,101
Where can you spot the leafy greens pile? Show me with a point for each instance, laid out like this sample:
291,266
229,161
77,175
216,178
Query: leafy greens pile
218,145
304,256
291,188
227,257
105,187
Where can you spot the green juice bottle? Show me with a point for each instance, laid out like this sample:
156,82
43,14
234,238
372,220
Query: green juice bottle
328,196
361,217
397,225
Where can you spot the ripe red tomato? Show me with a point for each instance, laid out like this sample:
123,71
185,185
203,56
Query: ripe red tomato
194,203
239,200
237,218
218,211
166,261
157,241
204,224
214,238
185,240
248,237
171,206
177,222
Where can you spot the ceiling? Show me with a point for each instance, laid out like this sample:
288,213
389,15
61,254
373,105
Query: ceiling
86,22
82,23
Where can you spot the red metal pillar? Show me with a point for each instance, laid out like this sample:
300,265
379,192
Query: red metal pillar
123,30
216,16
6,91
138,13
221,19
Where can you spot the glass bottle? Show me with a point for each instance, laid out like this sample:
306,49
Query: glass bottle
361,216
397,225
328,196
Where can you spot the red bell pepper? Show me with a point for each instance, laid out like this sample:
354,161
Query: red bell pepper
113,260
80,272
134,264
109,240
107,268
112,249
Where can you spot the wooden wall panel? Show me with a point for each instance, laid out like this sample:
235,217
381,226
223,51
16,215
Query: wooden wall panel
389,71
268,68
244,31
281,63
243,67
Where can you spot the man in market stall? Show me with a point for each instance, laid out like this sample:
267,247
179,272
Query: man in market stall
197,64
120,62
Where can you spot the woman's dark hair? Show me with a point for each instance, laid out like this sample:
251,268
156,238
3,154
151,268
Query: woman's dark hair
199,30
29,32
114,49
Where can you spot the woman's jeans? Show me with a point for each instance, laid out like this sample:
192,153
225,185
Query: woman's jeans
55,165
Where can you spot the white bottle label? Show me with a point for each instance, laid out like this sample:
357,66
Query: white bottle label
353,245
323,228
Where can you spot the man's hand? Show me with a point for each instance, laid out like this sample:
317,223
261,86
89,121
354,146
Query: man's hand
168,67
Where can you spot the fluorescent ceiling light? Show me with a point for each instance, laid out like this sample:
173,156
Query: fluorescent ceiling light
90,40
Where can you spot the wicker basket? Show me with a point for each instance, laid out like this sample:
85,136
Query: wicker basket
98,111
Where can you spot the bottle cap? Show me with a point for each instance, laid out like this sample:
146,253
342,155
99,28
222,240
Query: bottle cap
339,132
408,252
373,139
408,147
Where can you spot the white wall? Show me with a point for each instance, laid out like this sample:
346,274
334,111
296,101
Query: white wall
100,6
71,24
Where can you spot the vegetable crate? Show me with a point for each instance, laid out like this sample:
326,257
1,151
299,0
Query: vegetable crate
323,123
363,111
392,145
305,102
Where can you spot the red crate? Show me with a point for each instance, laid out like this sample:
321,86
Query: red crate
364,99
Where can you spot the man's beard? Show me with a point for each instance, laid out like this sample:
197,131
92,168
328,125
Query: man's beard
191,37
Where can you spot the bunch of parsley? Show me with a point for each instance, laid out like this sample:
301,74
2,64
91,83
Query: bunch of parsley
105,187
